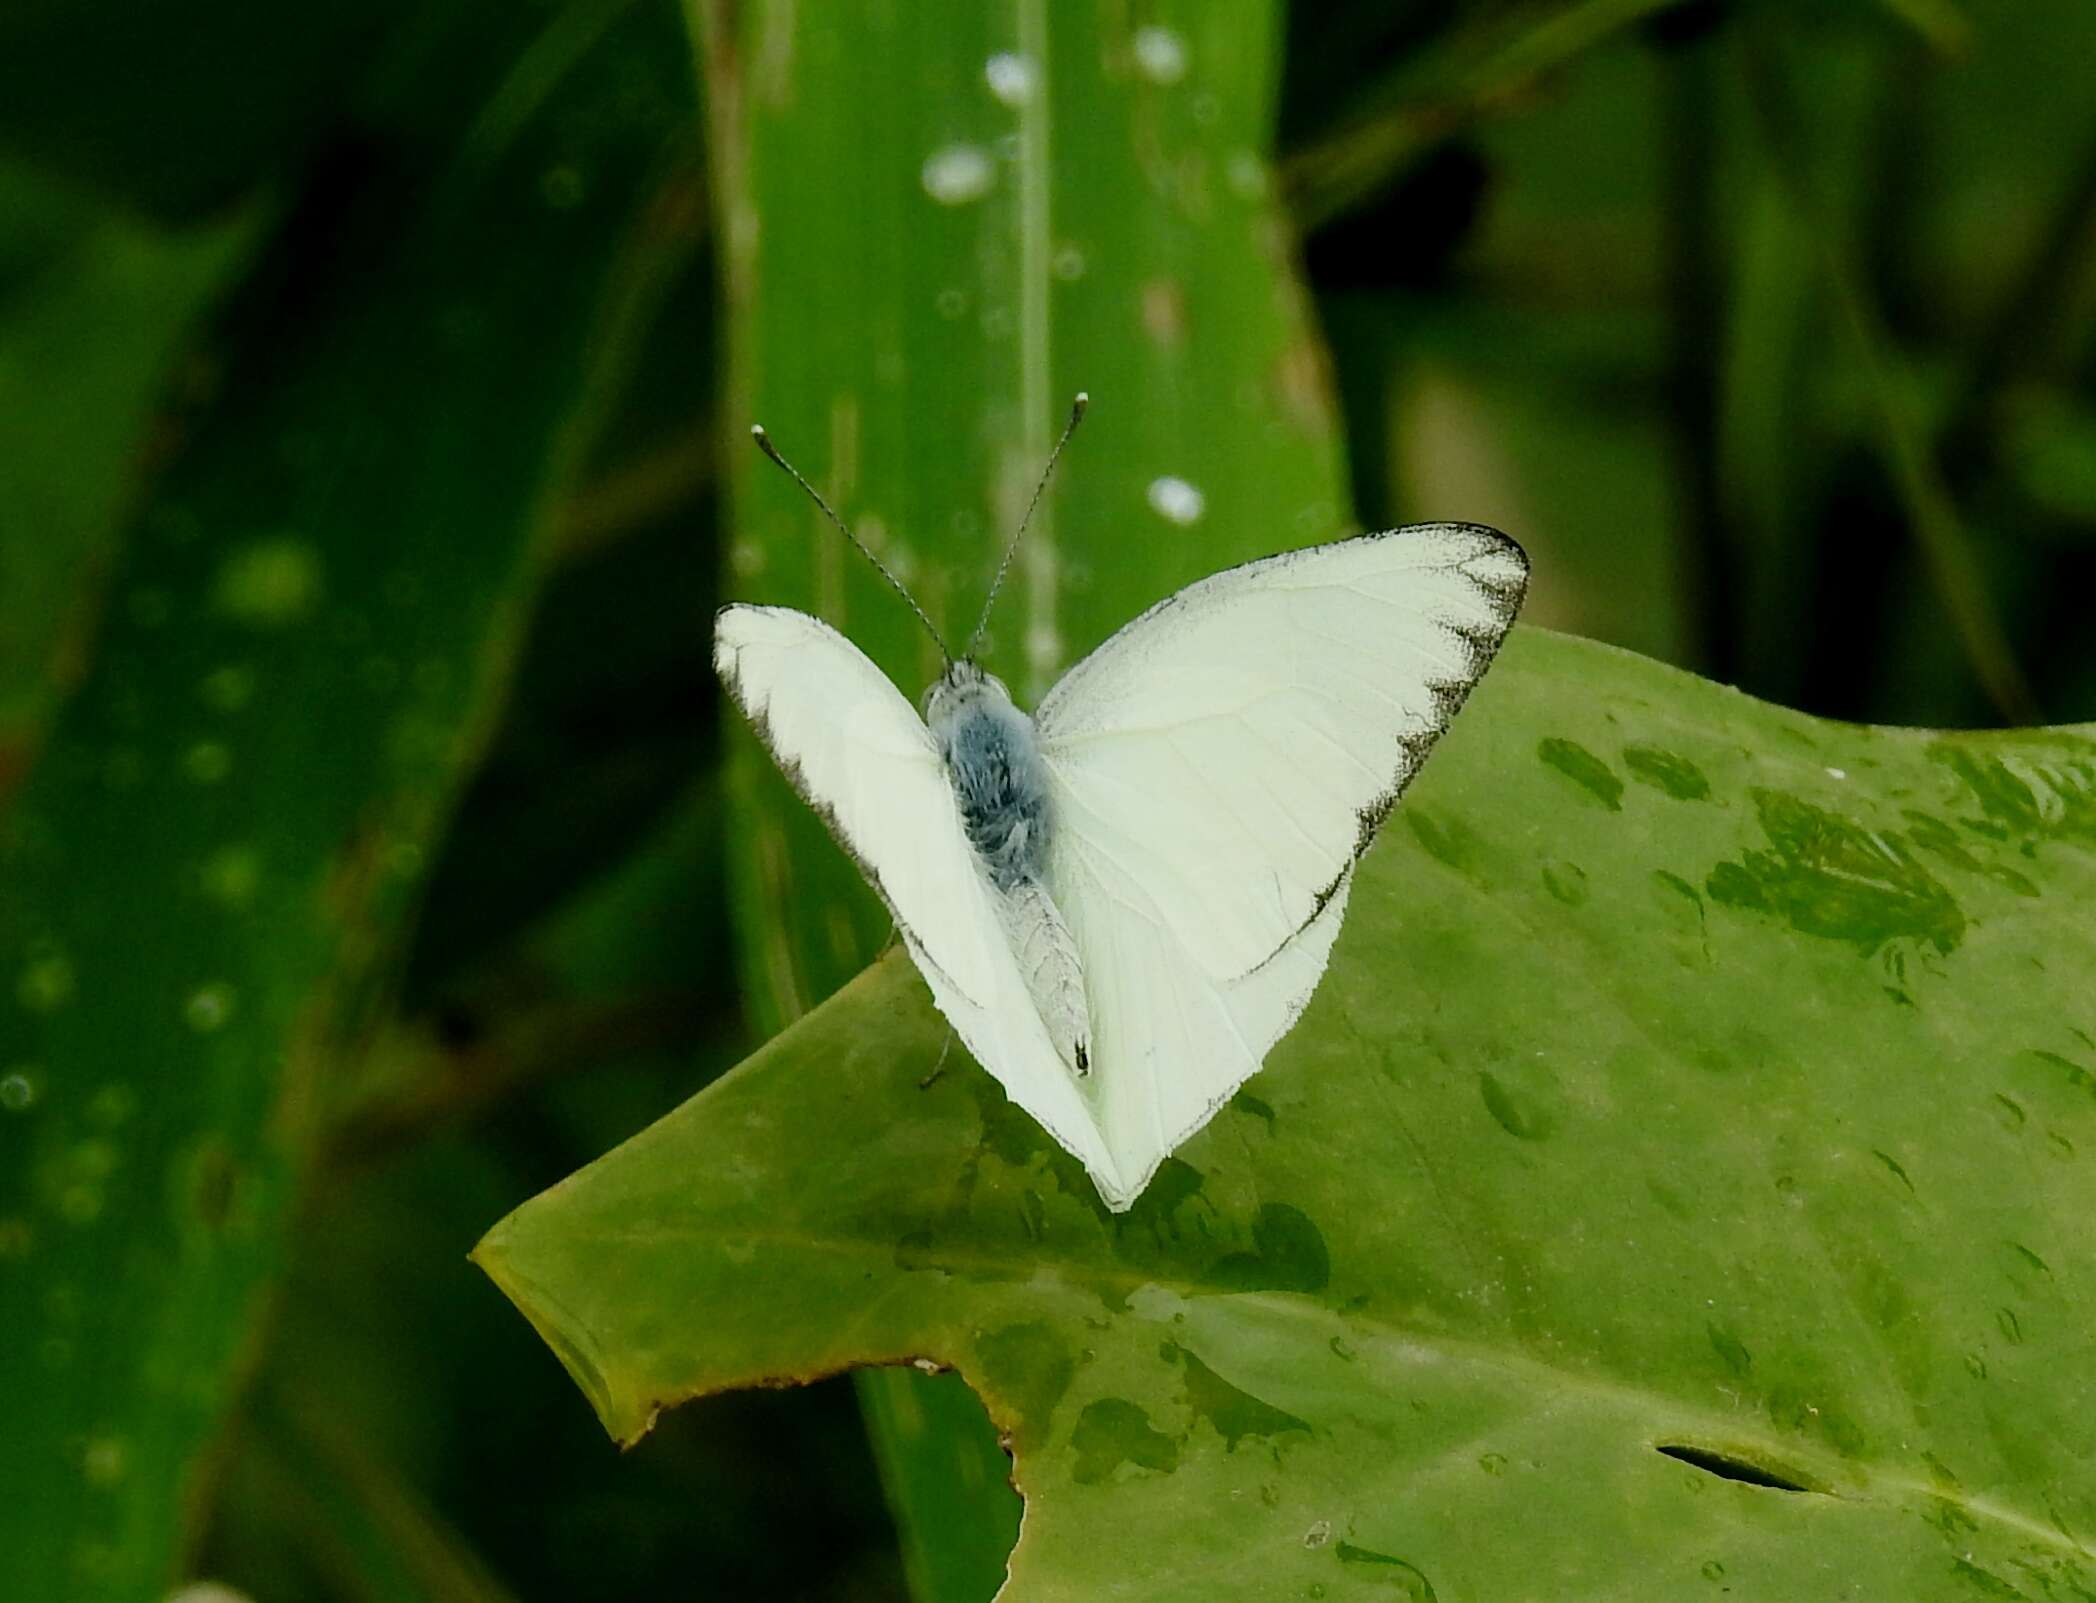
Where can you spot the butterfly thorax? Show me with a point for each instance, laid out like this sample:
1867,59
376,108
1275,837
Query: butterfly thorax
995,763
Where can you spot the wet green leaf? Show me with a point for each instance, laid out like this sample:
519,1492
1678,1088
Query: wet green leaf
1686,1194
211,864
92,303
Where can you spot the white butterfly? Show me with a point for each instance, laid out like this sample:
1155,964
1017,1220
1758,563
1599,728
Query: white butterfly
1123,902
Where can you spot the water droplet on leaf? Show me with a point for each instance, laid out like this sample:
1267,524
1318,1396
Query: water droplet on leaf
1012,77
209,1007
957,174
1176,501
1160,54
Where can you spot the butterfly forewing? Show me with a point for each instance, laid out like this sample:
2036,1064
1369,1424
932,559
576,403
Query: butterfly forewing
862,758
1234,748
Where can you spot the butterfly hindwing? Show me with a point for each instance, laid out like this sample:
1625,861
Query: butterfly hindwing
861,757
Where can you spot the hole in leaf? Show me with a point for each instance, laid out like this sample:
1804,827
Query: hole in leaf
1736,1467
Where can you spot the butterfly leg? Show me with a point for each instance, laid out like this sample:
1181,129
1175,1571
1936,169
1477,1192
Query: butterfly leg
939,1067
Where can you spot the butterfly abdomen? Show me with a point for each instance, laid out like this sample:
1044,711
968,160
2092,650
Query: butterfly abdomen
1047,956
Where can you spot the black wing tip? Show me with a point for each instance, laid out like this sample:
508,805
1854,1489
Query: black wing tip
1480,644
727,607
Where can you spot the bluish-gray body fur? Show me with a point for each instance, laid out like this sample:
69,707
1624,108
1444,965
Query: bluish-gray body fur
1001,784
997,774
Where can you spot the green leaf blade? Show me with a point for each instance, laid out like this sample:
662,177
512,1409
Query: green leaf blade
213,860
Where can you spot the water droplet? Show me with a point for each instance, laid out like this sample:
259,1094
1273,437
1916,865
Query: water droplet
227,689
93,1159
957,174
207,762
1837,773
930,1366
207,1592
104,1460
1068,264
268,584
20,1088
1160,54
208,1007
1492,1463
1246,174
562,187
1012,77
46,984
1318,1534
1176,501
230,875
112,1105
952,302
1713,1571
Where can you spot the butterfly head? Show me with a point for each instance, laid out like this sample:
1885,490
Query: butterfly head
962,689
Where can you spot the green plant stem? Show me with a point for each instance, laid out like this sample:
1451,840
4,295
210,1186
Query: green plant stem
1708,563
2024,330
1931,512
1477,69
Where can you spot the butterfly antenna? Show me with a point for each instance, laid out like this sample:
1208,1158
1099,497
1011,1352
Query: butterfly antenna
1012,549
764,444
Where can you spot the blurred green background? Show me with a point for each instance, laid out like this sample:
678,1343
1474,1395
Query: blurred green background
365,379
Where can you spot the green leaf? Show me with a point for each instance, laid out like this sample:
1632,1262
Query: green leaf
213,859
1677,1182
175,110
92,304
